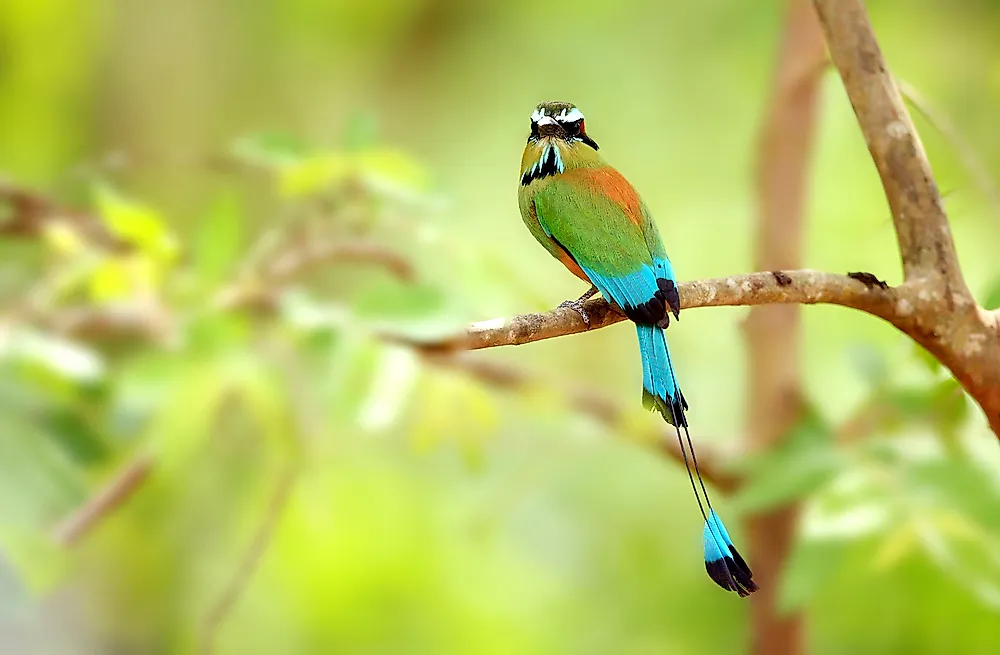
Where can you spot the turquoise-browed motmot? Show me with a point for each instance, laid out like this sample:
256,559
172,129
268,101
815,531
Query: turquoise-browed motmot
588,216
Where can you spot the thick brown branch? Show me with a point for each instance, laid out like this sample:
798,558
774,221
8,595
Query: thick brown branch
940,313
925,241
773,287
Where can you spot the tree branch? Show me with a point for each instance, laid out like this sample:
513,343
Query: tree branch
925,241
25,213
775,287
250,558
942,315
773,333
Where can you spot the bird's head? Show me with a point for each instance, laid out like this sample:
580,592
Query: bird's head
560,120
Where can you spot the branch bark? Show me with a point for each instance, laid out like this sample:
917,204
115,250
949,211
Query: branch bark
771,287
944,316
773,333
925,242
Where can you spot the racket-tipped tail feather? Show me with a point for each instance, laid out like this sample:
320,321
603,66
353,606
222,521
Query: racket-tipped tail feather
723,562
660,391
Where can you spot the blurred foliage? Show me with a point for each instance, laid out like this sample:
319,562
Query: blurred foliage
231,323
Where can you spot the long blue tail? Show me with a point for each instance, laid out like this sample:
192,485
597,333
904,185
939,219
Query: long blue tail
660,391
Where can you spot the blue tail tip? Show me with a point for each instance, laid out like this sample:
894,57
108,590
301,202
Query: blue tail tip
723,562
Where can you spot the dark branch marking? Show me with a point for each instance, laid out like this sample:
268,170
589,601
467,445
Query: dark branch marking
781,278
868,280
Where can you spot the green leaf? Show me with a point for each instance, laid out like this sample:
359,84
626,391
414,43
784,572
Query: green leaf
80,437
39,481
969,552
212,334
449,409
353,362
313,174
417,312
942,404
812,566
136,224
950,408
117,278
870,362
391,385
52,359
40,563
219,239
361,132
805,460
385,171
269,149
394,301
959,484
187,412
392,171
268,402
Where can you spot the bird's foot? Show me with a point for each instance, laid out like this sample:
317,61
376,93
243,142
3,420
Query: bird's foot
577,306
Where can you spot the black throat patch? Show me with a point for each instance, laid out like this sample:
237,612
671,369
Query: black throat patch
550,163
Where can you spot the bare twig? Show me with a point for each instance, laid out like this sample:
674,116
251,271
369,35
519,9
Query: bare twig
591,403
262,290
251,557
312,255
112,496
25,213
773,333
973,163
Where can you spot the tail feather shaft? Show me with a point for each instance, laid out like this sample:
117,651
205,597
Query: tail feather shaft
723,562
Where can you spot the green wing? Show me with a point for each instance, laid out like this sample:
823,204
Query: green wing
595,230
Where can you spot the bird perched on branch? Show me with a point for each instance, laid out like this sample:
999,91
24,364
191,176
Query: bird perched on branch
588,216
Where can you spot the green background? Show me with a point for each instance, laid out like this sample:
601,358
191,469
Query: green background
430,512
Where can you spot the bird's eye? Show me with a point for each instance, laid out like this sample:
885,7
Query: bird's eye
534,131
573,128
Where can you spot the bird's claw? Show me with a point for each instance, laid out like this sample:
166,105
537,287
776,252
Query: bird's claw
577,306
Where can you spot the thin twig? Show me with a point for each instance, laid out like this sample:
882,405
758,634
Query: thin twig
112,496
973,163
25,213
251,557
589,402
262,291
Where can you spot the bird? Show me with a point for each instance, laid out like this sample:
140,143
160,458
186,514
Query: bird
590,218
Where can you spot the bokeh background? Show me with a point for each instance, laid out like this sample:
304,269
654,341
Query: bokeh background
239,214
